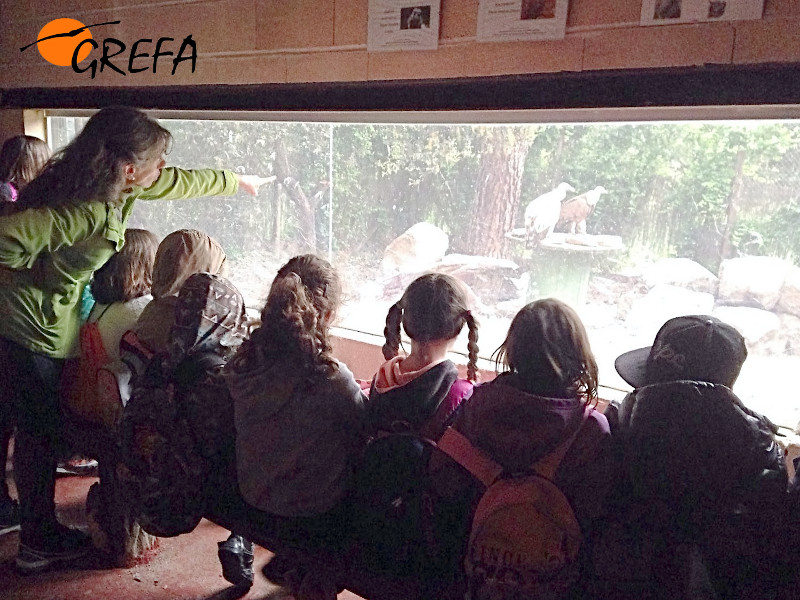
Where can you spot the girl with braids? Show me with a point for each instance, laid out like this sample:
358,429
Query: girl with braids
70,220
549,382
299,417
414,390
412,400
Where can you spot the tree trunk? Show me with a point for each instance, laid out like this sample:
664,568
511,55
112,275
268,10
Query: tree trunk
277,221
306,207
497,190
731,217
653,223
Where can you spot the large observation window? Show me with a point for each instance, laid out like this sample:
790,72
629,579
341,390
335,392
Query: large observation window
670,216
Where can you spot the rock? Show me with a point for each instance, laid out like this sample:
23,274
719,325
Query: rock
394,287
753,323
417,249
681,272
662,303
752,281
492,279
783,340
789,301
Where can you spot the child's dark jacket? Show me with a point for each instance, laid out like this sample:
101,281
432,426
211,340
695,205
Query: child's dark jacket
516,429
414,399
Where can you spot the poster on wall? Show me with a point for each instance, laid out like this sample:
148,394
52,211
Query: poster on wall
504,21
667,12
403,25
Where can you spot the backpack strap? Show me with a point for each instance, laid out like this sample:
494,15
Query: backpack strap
548,465
104,311
134,353
458,447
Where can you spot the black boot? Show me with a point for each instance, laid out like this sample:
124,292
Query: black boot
236,556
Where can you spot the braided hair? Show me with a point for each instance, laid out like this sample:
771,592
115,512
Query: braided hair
433,307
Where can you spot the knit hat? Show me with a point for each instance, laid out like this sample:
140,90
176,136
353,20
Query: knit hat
697,347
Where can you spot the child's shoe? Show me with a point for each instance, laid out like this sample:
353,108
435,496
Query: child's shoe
236,556
63,545
9,516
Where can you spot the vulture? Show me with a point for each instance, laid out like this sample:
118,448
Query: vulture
575,210
541,215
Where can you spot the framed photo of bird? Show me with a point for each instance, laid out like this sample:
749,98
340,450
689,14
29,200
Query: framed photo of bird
667,12
503,21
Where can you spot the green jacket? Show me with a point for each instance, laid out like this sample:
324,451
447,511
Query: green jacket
47,256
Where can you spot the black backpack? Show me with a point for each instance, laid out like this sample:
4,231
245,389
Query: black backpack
393,511
394,516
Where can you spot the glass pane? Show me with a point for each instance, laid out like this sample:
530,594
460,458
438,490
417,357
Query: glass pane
658,220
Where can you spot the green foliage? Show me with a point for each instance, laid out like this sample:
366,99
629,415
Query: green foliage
669,184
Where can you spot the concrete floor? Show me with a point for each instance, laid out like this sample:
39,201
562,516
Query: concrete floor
183,567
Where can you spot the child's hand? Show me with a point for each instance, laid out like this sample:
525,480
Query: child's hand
251,183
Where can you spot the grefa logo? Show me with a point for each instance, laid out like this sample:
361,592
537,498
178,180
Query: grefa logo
68,42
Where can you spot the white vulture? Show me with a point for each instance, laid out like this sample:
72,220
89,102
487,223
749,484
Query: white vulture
575,210
541,215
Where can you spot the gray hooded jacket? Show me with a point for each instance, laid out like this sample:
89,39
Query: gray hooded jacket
296,441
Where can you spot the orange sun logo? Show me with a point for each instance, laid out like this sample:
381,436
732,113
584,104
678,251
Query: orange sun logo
60,46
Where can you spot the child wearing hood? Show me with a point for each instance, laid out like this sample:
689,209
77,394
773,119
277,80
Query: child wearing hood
181,254
178,424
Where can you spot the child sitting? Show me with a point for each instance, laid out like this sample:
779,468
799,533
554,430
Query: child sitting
412,400
538,408
299,420
702,474
121,291
121,288
181,254
415,390
179,421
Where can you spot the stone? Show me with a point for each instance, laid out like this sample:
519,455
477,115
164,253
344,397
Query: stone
754,281
783,340
789,301
418,248
753,323
662,303
681,272
491,279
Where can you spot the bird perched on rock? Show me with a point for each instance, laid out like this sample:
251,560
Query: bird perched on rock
575,210
541,215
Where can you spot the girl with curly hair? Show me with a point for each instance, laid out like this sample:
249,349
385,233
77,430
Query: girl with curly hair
299,413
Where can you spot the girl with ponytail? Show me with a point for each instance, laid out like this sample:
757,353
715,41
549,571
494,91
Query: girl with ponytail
298,415
414,391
